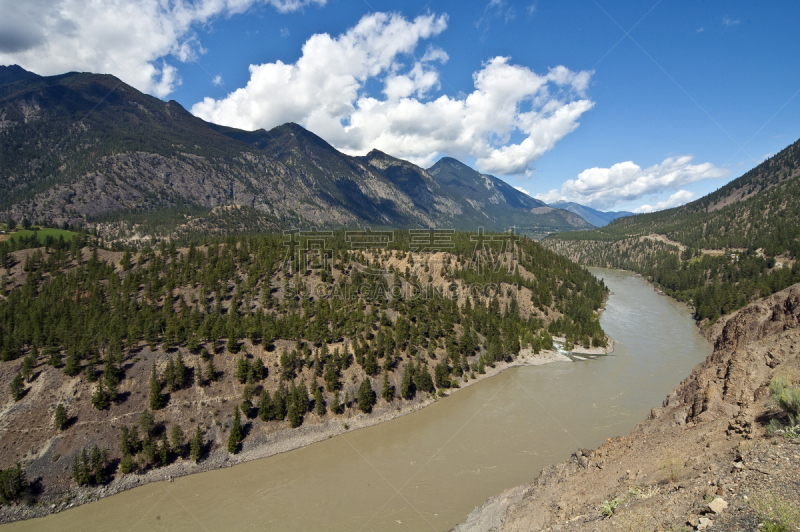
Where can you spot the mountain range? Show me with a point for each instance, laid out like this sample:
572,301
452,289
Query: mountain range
593,216
82,148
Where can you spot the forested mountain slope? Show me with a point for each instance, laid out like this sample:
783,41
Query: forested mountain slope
87,149
106,349
716,253
492,198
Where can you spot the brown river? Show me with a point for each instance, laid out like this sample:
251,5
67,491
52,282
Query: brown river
429,469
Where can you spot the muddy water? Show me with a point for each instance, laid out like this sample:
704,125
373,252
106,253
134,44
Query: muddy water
428,470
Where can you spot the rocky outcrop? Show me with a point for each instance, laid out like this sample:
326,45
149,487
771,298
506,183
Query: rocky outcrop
707,441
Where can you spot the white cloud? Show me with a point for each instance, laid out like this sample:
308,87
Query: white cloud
602,188
523,191
675,200
729,22
127,38
169,80
325,91
217,80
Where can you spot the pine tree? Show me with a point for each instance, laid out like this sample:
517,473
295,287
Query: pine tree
366,397
99,461
331,376
157,401
111,371
442,375
147,422
196,445
125,447
481,368
301,398
319,402
28,363
55,359
73,365
211,371
293,415
60,417
177,439
180,372
101,398
169,375
408,388
127,464
422,379
81,471
371,364
91,372
13,484
192,343
264,406
233,343
236,435
259,372
164,450
243,370
134,441
125,263
17,387
336,406
279,400
388,390
149,449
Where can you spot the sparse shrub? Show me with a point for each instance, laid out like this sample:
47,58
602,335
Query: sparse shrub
778,514
127,464
672,468
772,427
608,507
786,397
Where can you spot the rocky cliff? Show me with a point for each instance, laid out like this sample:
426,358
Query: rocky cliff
702,459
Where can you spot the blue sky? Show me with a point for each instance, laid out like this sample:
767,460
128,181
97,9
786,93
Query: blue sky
618,105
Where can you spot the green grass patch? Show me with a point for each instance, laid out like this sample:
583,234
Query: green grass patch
42,234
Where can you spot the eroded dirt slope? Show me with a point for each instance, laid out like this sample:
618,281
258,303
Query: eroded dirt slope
707,441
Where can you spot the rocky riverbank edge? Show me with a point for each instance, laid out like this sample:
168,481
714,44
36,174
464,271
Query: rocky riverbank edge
704,459
262,445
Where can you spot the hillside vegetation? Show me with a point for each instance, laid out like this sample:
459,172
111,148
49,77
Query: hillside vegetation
717,253
105,352
88,150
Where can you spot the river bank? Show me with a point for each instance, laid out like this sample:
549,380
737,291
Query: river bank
432,468
708,441
262,445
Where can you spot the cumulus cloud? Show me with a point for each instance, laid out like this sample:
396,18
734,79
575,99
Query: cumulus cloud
512,116
675,200
131,39
602,188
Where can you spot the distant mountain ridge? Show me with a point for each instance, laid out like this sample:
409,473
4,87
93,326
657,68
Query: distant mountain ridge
761,208
593,216
717,253
87,148
491,197
10,74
